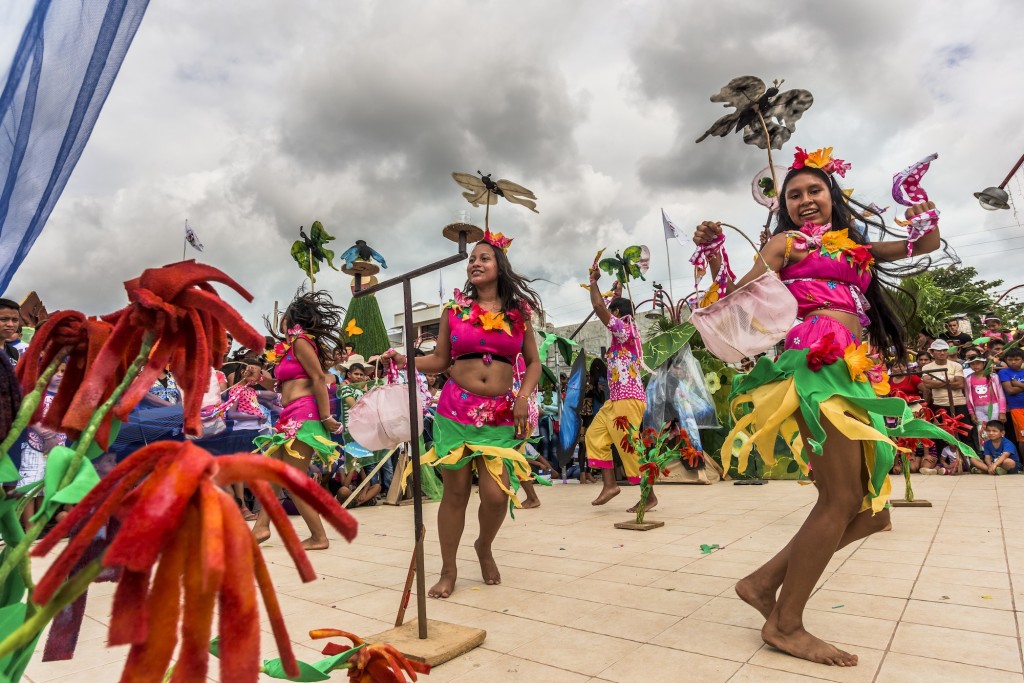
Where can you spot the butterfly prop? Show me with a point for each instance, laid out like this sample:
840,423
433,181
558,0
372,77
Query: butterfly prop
352,329
480,189
632,263
309,251
907,190
766,116
569,422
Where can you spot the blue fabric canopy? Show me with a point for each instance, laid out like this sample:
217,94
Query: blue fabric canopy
62,72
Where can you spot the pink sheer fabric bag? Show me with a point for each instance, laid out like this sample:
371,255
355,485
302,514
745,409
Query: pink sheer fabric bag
751,319
380,418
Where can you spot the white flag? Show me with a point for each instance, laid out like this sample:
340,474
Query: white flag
191,238
671,230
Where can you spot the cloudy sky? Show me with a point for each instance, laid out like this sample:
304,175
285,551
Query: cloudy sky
254,117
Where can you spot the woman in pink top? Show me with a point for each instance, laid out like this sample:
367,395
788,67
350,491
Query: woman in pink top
485,413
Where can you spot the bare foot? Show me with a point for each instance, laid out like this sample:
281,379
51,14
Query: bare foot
759,596
316,544
488,567
803,645
652,502
531,503
260,534
445,585
605,495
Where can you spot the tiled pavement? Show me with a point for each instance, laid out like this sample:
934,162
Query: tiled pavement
935,599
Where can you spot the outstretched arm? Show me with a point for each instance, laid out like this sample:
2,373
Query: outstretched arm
596,300
773,252
894,250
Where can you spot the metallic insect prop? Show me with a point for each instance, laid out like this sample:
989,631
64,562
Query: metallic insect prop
361,251
766,116
309,251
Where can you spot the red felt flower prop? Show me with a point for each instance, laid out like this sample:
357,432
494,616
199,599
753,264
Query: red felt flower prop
823,352
179,306
176,519
626,445
621,423
377,663
80,338
861,257
953,425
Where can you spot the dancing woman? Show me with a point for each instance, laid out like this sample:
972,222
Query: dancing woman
826,383
484,414
303,431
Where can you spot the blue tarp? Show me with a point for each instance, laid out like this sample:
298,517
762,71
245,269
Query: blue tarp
61,74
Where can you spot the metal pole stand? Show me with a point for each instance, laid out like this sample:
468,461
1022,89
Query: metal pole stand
433,642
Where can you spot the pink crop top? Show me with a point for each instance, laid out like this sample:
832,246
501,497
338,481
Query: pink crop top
828,281
289,367
478,333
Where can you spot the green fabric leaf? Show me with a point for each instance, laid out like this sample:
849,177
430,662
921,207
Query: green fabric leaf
57,463
661,347
215,647
11,618
307,672
8,472
563,344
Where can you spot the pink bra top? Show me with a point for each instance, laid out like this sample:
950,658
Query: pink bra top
822,281
476,331
289,367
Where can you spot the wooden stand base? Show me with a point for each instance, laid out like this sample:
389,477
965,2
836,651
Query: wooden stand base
910,503
633,526
444,641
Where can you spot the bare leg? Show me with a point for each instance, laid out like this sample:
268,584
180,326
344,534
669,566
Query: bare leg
261,529
493,510
532,501
451,520
758,590
840,491
609,489
317,535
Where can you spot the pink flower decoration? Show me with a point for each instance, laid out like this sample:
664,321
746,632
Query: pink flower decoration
799,158
840,167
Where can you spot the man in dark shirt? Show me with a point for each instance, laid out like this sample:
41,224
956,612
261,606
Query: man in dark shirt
955,337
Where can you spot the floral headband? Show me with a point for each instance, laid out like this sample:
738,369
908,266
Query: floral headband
820,159
497,240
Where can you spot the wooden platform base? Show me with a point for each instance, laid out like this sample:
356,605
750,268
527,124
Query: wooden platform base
910,503
444,641
633,526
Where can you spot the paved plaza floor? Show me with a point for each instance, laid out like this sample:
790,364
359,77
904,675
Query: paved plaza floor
936,599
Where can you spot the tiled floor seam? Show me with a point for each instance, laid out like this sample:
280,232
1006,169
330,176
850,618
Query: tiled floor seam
931,543
1013,583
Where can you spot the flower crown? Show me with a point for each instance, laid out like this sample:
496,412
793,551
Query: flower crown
820,159
497,240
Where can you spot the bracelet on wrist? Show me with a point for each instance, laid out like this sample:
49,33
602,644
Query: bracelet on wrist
325,419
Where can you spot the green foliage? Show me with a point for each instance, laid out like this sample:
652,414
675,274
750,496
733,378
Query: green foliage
661,347
366,312
310,262
927,300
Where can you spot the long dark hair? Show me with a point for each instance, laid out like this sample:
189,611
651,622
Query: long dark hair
887,330
316,313
513,289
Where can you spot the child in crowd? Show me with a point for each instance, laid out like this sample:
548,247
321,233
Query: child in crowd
993,325
1000,455
994,351
985,398
1012,379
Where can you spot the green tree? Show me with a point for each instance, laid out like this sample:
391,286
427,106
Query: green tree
924,302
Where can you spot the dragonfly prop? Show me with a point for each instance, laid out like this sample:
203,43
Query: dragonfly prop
480,189
632,263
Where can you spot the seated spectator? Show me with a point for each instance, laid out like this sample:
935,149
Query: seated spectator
164,392
907,385
1000,455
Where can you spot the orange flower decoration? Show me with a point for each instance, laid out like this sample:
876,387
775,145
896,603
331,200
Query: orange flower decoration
378,663
835,241
494,321
857,361
175,518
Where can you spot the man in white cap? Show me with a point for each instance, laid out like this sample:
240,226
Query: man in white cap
945,386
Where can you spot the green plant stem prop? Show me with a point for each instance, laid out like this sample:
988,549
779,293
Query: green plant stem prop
909,495
655,449
67,594
19,553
